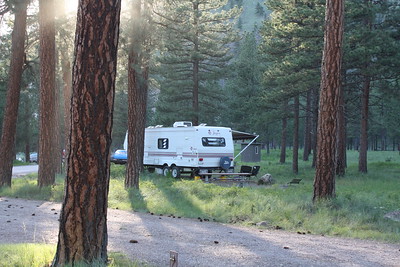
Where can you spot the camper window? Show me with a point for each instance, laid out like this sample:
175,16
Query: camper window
213,141
163,143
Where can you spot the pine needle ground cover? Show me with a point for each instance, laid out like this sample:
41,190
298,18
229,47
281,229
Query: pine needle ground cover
358,211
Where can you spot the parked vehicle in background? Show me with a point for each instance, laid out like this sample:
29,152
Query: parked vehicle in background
33,157
185,148
119,157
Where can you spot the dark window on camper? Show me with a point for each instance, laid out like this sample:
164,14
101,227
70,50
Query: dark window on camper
163,143
213,141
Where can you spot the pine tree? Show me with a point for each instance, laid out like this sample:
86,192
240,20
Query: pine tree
83,221
196,39
7,142
371,48
48,150
324,182
138,76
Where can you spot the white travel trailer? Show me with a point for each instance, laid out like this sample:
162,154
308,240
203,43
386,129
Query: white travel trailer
189,149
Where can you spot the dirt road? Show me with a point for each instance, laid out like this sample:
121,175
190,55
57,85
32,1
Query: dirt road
198,243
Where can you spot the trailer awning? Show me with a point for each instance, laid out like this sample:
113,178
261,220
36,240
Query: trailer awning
236,135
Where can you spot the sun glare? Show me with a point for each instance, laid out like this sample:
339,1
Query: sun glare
71,6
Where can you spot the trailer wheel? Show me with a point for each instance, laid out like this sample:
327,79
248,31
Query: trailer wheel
176,172
166,170
225,163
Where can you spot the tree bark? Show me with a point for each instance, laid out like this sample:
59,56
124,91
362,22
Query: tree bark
341,137
196,63
13,93
324,182
296,107
47,118
83,221
283,135
137,97
307,128
362,163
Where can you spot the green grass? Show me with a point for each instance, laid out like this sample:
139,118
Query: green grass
357,211
34,255
40,255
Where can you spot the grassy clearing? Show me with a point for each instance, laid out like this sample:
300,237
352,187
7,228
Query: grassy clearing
39,255
357,211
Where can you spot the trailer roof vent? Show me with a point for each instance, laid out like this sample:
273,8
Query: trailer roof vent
203,124
158,126
183,124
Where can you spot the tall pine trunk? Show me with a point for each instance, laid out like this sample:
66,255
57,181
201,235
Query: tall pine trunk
283,134
196,63
324,182
314,108
341,137
67,91
137,97
47,120
307,128
362,163
13,93
296,107
83,221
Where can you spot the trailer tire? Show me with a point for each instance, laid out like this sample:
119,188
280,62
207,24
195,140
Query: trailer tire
225,163
166,171
176,172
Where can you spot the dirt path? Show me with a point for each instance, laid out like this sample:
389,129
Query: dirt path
198,243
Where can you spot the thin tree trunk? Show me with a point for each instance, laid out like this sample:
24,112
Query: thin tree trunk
27,132
83,221
324,182
67,82
307,128
362,163
315,101
13,93
283,135
196,66
341,137
47,118
137,98
295,164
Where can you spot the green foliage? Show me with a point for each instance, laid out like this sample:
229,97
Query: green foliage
196,47
244,87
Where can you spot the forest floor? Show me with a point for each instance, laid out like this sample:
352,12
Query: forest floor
150,238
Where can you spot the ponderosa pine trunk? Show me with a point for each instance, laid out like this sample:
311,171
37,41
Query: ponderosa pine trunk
83,221
283,134
67,88
307,128
13,93
47,119
314,108
196,63
137,97
362,163
324,182
295,163
341,137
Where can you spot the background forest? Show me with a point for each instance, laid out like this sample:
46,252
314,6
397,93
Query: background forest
256,69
